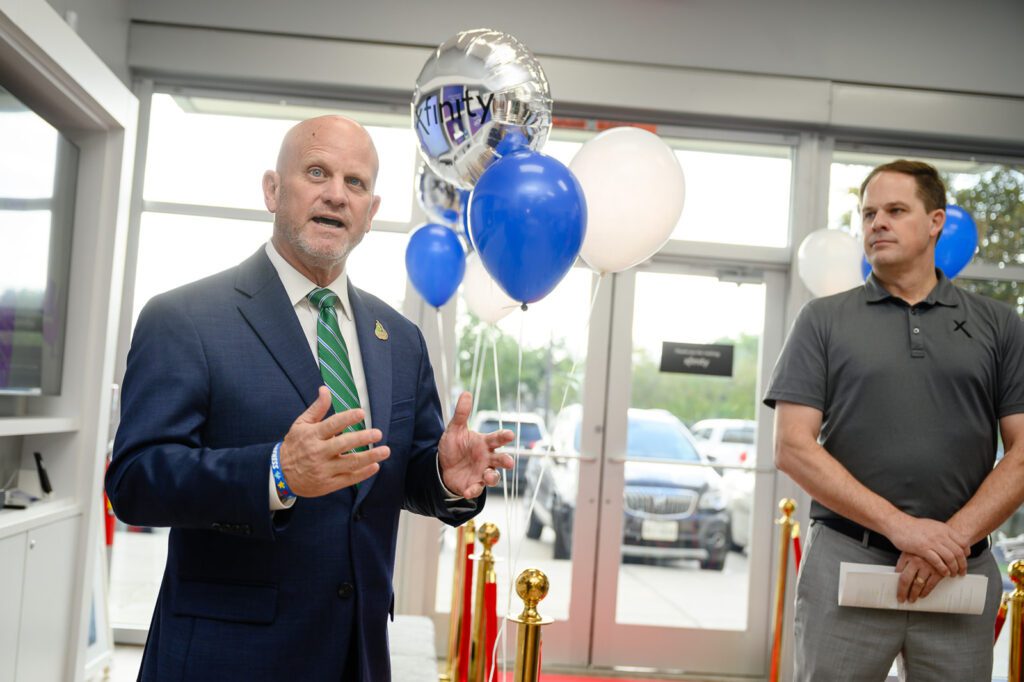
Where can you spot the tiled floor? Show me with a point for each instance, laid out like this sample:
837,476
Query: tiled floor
137,567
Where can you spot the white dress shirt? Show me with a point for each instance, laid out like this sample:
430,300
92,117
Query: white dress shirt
298,287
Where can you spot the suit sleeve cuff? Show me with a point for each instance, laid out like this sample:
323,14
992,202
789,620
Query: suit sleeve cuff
276,504
449,496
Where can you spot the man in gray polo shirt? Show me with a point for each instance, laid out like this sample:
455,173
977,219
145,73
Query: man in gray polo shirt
888,398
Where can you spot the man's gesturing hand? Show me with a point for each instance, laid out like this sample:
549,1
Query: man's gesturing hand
317,458
467,458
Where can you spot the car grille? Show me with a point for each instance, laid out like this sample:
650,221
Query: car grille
678,503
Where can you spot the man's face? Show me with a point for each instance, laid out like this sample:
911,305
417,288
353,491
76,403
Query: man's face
322,193
898,231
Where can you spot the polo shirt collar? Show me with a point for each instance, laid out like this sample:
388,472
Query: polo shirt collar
944,293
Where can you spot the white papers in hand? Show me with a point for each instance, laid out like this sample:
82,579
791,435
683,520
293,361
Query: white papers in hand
874,587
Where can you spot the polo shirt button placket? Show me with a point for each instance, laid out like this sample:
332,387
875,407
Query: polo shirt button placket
916,342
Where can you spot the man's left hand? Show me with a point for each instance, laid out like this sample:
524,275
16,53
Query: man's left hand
468,459
917,578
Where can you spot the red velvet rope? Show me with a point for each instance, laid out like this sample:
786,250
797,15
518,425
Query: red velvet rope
490,627
467,616
1000,619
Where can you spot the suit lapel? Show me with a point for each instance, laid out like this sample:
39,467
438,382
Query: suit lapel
376,354
268,311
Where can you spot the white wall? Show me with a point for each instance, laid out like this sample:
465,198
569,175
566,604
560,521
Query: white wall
103,25
946,45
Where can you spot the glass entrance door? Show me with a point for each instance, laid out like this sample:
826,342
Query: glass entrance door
653,511
683,558
528,372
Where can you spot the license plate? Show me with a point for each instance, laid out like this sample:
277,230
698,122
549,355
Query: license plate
659,531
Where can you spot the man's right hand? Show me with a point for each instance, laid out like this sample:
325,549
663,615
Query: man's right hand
937,543
316,455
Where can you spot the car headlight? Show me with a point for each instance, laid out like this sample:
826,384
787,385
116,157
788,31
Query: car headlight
712,500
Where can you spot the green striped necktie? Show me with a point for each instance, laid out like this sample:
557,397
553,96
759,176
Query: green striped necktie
333,354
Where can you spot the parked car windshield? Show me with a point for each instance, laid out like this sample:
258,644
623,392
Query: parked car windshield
659,440
655,440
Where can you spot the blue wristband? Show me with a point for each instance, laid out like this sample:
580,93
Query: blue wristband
284,493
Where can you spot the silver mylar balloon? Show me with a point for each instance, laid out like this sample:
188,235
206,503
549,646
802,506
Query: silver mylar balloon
480,95
439,199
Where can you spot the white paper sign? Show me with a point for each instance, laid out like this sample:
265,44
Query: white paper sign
874,587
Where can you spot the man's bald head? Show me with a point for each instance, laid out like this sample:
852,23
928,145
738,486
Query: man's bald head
306,133
321,194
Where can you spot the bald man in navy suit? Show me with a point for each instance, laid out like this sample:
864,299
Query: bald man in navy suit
284,508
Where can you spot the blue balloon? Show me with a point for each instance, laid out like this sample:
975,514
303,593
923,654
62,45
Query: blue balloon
513,141
956,245
865,267
435,262
527,217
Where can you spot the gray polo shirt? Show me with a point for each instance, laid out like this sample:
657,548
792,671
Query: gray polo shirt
910,395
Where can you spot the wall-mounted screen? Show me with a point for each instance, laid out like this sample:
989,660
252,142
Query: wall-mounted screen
38,172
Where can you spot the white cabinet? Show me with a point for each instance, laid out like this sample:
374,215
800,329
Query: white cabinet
36,588
12,571
46,596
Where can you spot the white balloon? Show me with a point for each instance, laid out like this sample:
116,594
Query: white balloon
485,298
829,262
635,188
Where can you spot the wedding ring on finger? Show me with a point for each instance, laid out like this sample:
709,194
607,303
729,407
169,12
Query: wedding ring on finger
919,580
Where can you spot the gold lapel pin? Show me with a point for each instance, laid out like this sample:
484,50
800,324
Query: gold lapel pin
380,332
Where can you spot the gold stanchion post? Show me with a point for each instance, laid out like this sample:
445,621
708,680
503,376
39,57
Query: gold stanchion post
531,586
463,534
787,507
488,536
1016,617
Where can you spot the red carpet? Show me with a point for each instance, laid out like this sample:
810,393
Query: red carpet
551,677
573,678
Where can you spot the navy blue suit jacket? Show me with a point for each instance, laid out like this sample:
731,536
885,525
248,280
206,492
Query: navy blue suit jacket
217,372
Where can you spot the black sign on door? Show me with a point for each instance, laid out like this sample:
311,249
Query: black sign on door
695,358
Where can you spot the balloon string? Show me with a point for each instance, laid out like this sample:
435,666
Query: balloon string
502,640
576,361
549,446
457,379
508,509
474,383
447,390
479,378
519,410
517,545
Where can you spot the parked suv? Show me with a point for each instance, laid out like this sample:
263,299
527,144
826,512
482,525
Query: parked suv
727,441
528,425
670,510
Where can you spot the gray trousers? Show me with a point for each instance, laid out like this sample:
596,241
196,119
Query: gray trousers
836,643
